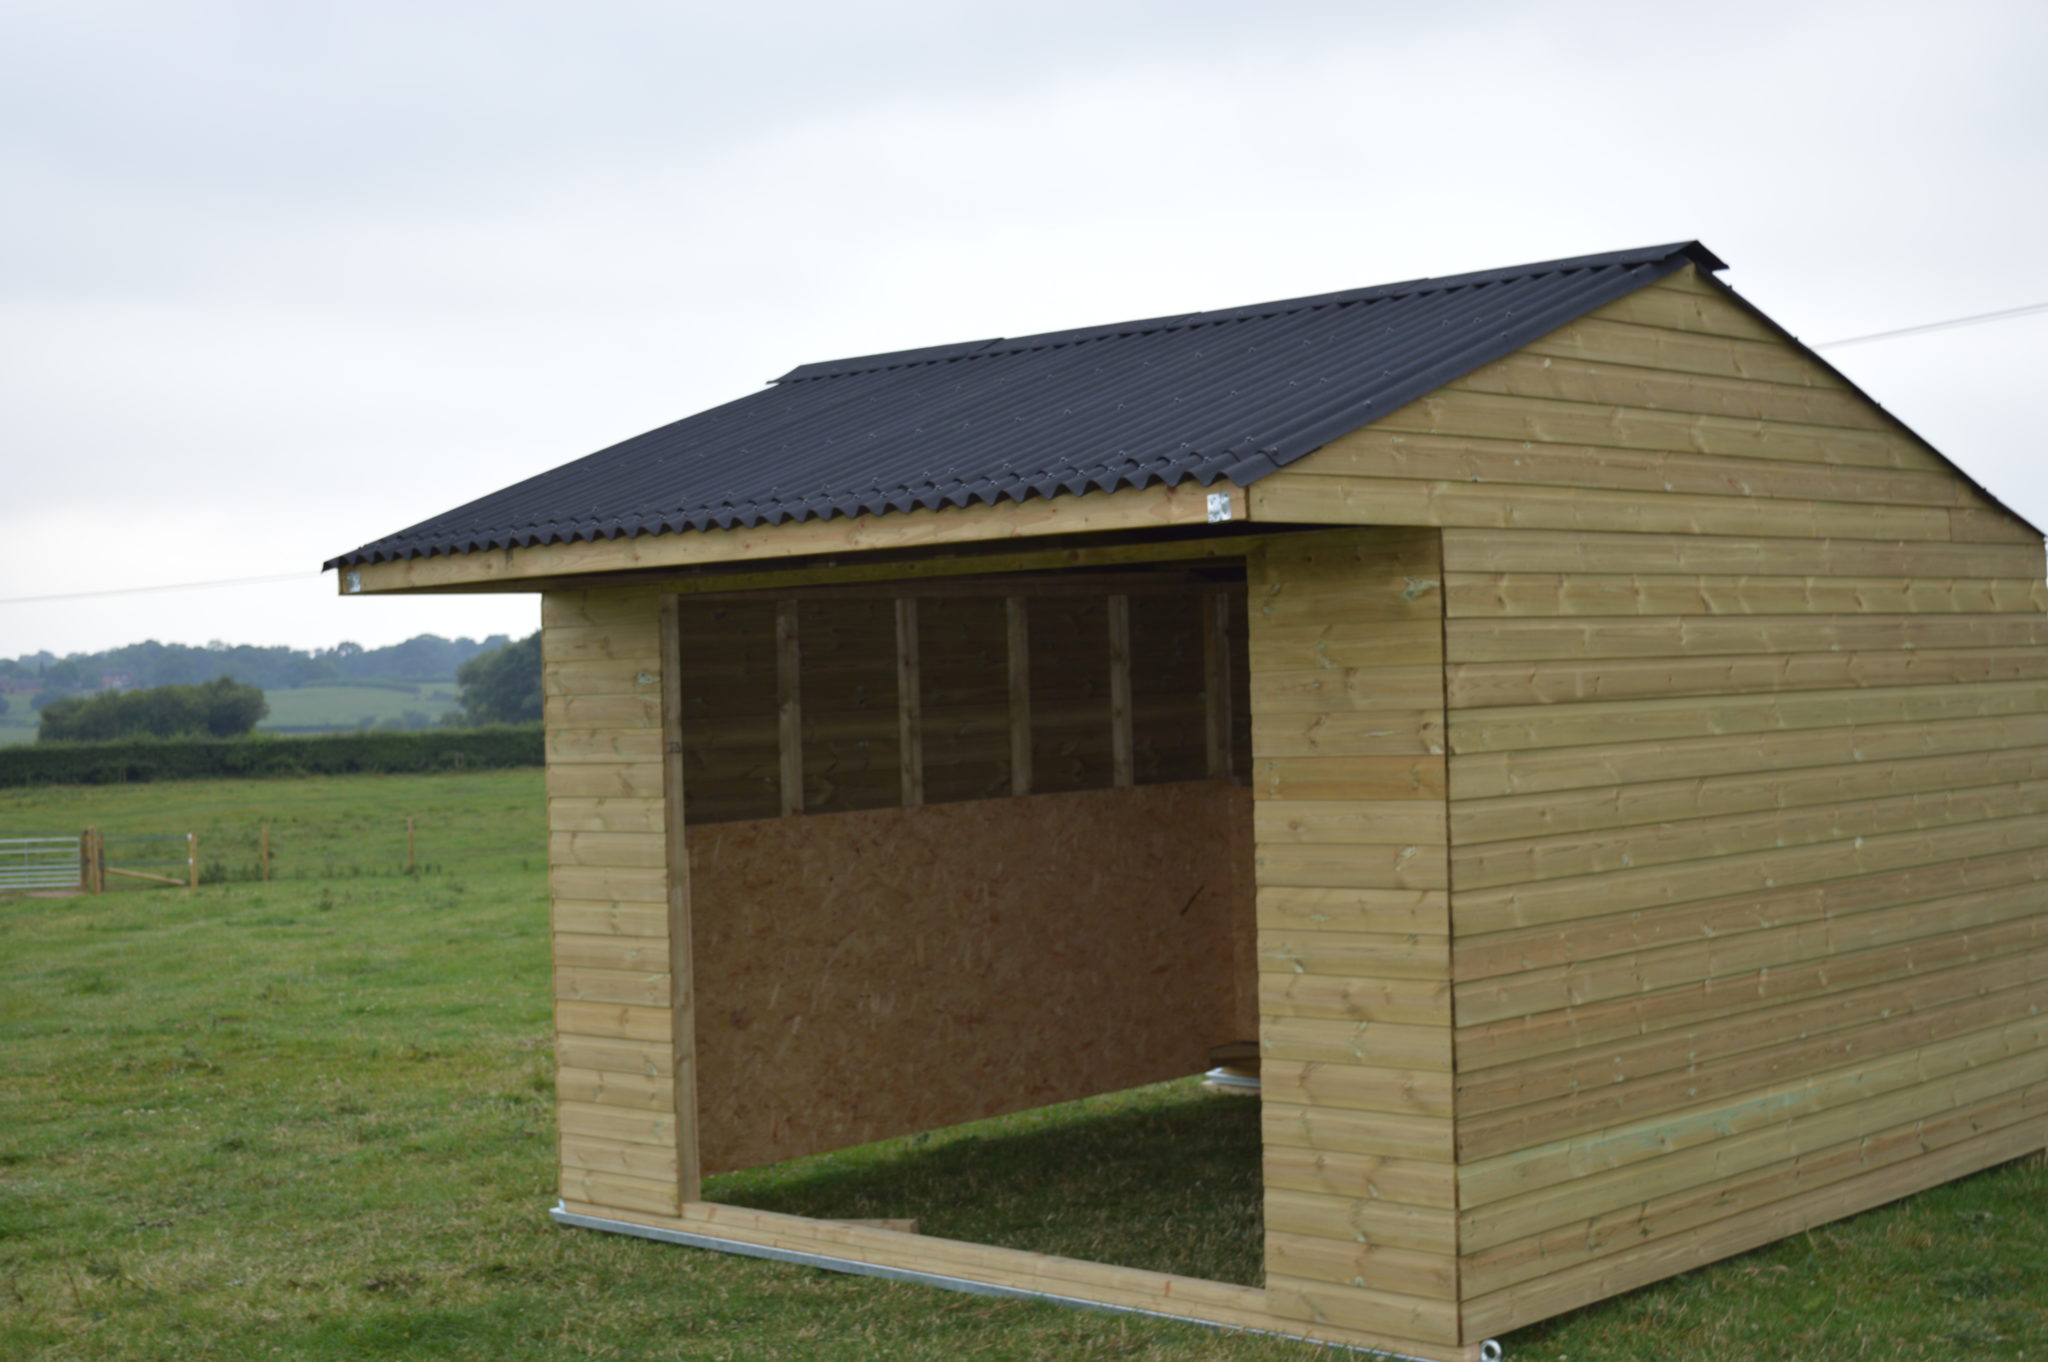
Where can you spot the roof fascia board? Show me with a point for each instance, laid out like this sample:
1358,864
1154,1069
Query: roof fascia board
530,569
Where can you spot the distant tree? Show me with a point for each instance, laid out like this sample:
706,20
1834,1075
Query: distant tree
503,686
220,708
3,704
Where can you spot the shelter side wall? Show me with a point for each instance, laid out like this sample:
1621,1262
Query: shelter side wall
1346,650
1748,720
1749,928
621,964
870,974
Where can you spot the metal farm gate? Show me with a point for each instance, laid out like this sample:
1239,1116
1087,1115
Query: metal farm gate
40,863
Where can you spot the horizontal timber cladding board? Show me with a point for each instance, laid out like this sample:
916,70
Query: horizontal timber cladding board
1378,1177
1585,982
1596,938
1643,1260
1670,801
1699,315
1399,912
1600,384
1357,1087
960,960
1324,821
1553,1082
601,813
1563,1032
1420,1002
1640,335
1352,866
1362,1218
1315,690
1548,595
1476,684
1572,551
1317,1040
649,1059
1376,453
1761,754
609,1088
1339,1131
1369,777
1309,498
1400,1271
1527,860
1353,954
1435,1321
1518,727
1479,911
613,1193
1481,1137
1491,1221
596,917
1536,640
1473,414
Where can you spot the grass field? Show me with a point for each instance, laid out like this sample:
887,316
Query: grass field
311,1119
348,706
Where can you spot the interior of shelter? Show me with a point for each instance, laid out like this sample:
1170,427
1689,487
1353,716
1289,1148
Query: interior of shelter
961,847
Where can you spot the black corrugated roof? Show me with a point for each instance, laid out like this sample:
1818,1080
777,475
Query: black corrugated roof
1231,394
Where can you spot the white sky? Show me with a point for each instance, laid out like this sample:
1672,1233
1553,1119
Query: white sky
279,279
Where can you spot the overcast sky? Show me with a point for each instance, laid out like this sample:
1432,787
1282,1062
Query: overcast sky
277,279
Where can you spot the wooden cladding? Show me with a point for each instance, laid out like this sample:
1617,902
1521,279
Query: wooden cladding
823,703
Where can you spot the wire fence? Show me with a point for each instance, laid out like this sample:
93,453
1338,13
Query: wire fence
104,861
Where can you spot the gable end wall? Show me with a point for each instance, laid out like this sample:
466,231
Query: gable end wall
1747,708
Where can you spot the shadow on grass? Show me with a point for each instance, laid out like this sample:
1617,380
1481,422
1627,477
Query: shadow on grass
1165,1178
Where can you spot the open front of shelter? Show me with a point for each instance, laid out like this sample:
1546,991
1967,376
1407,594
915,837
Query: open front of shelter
1597,753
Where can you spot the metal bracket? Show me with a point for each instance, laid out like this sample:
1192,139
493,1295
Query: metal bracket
354,582
1219,507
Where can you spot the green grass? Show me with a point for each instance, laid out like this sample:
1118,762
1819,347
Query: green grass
311,1119
348,706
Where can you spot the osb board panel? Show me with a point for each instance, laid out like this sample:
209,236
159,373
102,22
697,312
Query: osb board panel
869,974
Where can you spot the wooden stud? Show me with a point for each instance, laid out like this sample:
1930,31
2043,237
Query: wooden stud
1017,618
789,713
909,704
1122,761
1216,683
682,1010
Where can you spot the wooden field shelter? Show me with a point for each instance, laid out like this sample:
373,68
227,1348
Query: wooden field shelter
1599,754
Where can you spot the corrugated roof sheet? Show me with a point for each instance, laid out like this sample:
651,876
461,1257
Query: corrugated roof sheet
1231,394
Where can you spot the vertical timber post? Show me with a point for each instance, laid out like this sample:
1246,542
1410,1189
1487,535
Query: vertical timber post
1122,759
1216,683
681,966
1017,623
789,708
191,860
909,703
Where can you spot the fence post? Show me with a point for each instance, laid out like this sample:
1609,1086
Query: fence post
85,862
191,860
264,856
411,861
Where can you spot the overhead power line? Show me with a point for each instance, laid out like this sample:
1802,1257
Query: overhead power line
1974,320
165,586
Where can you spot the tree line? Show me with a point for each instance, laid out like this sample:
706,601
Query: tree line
427,657
501,686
